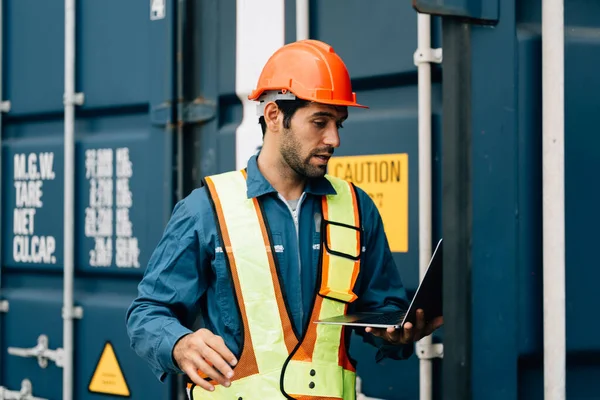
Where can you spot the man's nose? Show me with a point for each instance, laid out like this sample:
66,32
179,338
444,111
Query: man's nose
332,138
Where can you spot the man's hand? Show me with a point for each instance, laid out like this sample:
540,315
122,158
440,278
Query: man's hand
204,351
409,334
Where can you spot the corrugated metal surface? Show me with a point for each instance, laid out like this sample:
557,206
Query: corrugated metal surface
123,184
582,52
494,199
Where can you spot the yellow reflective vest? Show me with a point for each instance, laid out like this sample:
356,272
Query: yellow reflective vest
273,363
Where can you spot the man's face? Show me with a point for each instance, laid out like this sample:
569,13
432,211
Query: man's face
313,135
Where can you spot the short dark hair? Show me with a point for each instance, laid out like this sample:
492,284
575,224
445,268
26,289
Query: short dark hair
288,108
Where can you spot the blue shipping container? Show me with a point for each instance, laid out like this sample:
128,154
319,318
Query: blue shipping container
165,85
123,189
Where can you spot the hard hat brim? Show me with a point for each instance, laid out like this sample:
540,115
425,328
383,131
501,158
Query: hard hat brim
340,103
255,95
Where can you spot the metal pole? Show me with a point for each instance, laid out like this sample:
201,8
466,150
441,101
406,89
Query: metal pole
69,198
1,130
425,236
302,19
180,96
4,107
181,392
553,199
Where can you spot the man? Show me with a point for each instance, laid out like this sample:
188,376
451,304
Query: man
260,254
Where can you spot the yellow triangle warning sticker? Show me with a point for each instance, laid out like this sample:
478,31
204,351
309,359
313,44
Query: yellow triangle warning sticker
108,377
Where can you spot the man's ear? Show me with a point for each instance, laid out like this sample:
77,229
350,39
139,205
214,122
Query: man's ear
272,116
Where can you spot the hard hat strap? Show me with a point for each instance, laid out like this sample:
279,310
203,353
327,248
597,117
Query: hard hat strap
270,96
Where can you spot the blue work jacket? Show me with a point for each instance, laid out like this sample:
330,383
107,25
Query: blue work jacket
187,277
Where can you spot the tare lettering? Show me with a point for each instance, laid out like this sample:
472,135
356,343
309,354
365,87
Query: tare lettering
29,194
30,172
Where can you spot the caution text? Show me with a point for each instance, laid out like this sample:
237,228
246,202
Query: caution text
385,179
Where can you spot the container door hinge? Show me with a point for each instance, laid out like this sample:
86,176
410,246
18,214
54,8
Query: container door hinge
41,352
4,306
429,352
5,106
26,392
77,313
428,56
194,112
75,99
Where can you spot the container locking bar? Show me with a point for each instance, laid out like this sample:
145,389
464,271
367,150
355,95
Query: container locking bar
41,352
26,392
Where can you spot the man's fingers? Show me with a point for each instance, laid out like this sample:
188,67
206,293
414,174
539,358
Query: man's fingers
376,331
435,324
208,369
204,355
420,320
390,334
218,344
216,362
192,373
215,352
432,326
407,333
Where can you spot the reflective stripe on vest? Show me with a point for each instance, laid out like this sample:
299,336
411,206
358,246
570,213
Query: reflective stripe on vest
274,364
341,222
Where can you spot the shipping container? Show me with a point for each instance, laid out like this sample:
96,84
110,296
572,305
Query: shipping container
160,97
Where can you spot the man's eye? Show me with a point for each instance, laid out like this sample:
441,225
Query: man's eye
340,126
320,124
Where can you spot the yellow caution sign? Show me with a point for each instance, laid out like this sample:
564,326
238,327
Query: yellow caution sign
385,178
108,377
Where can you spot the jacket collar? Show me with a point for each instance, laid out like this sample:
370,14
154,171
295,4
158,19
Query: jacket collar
257,184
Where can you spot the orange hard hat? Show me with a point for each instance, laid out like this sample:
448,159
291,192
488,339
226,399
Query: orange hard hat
306,69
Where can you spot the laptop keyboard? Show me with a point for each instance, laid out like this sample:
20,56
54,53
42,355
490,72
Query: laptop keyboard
385,319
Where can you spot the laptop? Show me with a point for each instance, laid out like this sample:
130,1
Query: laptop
428,297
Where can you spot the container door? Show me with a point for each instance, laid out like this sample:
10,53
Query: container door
379,148
123,190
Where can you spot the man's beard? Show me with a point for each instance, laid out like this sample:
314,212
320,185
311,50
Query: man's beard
290,147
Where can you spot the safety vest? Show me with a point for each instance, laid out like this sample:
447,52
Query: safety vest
274,363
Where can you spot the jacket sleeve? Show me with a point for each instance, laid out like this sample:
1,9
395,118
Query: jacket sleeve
379,285
168,294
